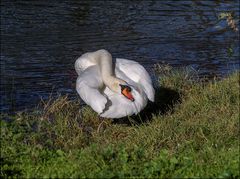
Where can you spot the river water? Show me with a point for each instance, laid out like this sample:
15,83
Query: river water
40,41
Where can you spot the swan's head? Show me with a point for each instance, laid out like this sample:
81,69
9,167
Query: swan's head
123,88
127,92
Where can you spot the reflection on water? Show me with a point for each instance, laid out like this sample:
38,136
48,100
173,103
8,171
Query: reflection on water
40,41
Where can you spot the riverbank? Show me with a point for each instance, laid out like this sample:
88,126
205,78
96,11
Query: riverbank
191,131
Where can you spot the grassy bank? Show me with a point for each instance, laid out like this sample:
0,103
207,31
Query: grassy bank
191,131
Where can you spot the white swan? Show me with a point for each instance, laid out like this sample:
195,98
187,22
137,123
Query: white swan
112,94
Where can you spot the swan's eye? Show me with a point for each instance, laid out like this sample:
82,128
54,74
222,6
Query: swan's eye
126,91
128,88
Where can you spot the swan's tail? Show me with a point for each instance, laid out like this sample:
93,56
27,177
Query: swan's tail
83,63
77,66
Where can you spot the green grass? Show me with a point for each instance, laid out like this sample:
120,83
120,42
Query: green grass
191,131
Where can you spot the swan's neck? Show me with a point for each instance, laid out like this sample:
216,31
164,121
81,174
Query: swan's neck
104,60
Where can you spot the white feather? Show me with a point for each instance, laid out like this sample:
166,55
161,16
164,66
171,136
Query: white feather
94,92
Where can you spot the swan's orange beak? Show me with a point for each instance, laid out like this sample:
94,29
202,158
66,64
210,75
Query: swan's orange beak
126,91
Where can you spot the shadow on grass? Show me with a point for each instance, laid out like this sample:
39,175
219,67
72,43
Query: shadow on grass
165,100
10,172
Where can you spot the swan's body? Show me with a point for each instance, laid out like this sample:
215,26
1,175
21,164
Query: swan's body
98,84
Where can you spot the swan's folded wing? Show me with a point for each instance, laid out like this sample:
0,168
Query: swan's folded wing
88,84
138,74
119,106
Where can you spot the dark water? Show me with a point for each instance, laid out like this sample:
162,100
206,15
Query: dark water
40,41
